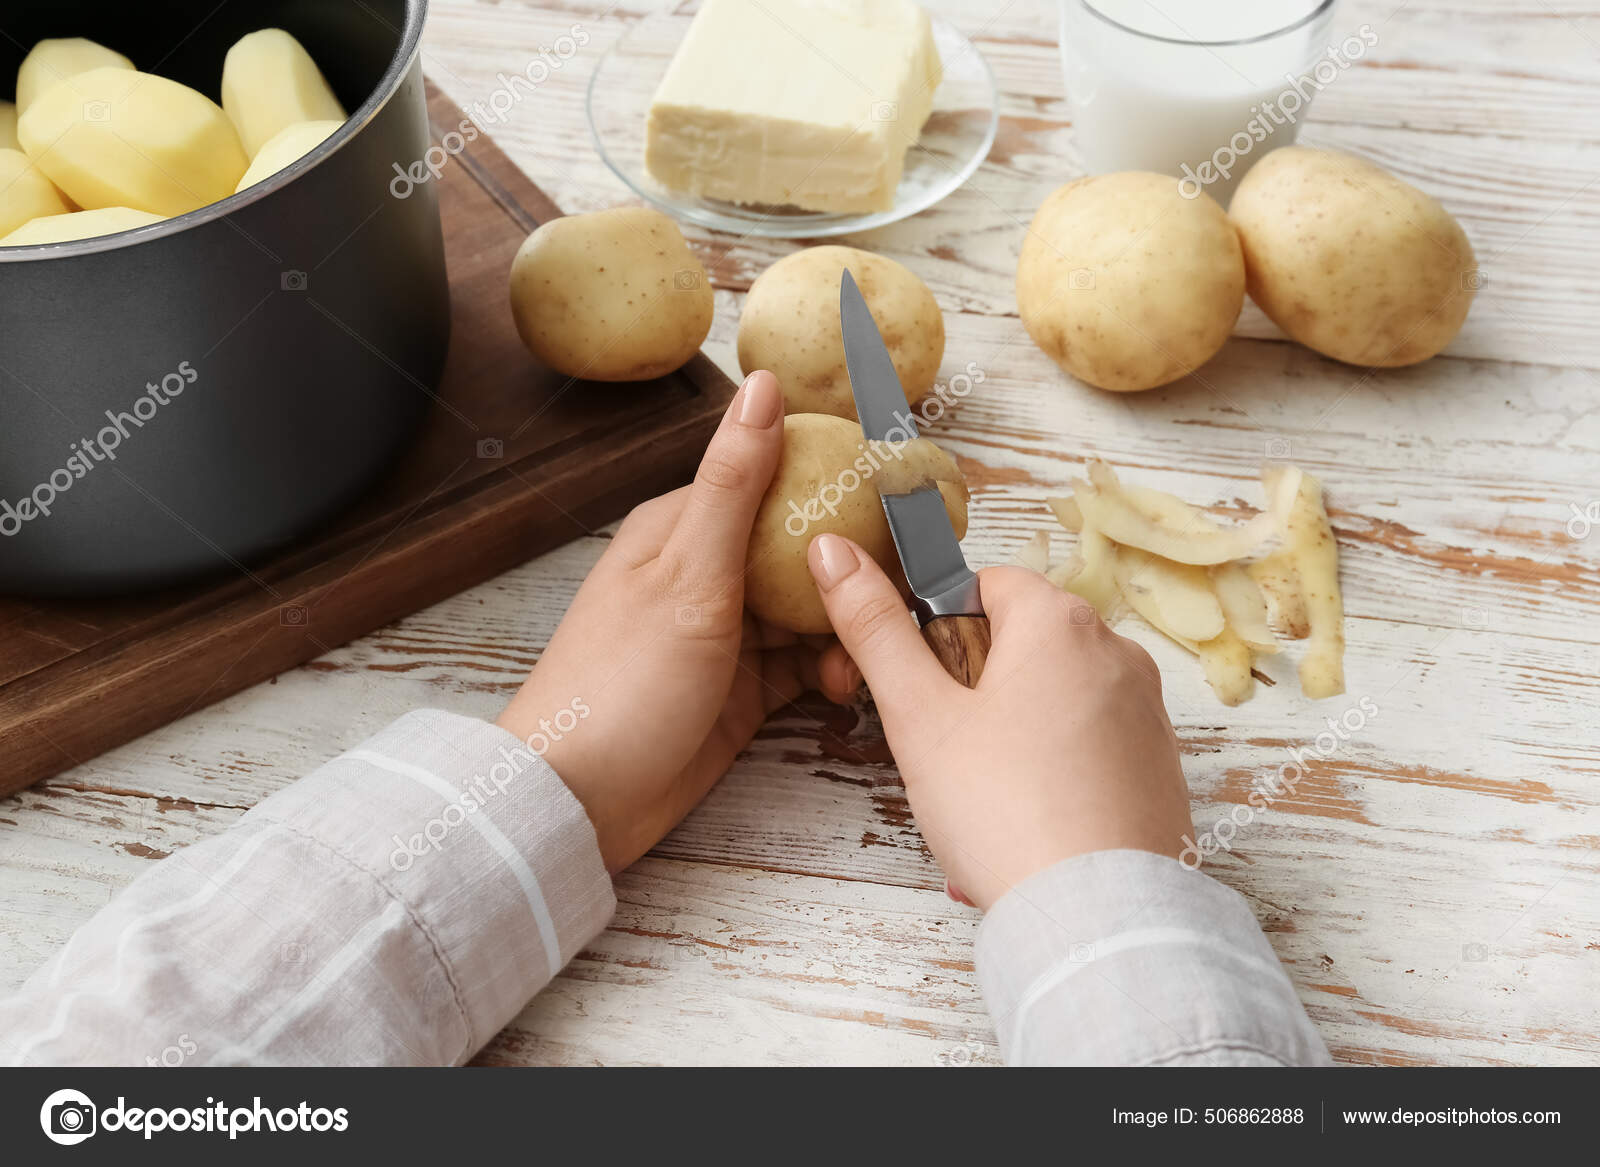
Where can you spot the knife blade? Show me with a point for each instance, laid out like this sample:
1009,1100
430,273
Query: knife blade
944,589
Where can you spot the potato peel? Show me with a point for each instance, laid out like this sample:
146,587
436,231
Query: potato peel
1180,592
1035,553
1194,581
1226,660
1243,607
1163,525
1309,540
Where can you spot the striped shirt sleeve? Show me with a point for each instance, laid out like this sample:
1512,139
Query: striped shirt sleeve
396,907
1130,958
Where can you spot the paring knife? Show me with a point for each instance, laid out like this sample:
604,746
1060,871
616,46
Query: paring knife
944,588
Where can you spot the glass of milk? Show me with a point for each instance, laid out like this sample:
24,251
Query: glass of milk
1199,89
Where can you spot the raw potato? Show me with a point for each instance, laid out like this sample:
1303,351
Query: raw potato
78,225
611,295
1349,260
270,82
60,59
1126,284
25,193
1309,540
790,325
285,148
8,127
116,138
826,483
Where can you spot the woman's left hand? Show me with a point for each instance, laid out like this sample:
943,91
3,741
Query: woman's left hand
668,675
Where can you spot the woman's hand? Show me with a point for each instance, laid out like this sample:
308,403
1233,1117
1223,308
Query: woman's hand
1062,749
668,676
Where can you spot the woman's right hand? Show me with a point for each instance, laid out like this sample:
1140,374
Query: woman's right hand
1063,748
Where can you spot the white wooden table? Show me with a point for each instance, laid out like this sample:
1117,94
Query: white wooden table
1432,887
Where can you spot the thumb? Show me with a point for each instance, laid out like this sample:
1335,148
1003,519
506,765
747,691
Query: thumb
875,627
713,532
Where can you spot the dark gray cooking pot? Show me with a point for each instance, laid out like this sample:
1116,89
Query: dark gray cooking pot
292,334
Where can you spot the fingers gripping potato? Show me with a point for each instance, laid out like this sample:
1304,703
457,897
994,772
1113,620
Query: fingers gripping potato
790,325
1126,284
827,483
611,296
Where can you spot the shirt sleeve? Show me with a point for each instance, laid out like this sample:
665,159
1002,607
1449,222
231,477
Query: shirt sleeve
1130,958
398,906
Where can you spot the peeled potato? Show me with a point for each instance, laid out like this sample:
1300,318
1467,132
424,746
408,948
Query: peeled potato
1126,284
790,325
25,193
8,127
60,59
116,138
270,82
285,148
1351,261
78,225
827,482
611,295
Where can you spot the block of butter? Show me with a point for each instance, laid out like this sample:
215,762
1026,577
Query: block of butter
805,103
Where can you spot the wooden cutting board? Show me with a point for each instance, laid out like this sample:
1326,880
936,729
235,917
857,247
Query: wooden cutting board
514,461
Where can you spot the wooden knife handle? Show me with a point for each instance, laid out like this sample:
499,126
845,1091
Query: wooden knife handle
962,645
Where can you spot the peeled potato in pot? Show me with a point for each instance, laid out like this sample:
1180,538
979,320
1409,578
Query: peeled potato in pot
1127,284
25,193
285,148
270,82
59,59
611,295
790,325
115,138
826,484
78,225
1350,261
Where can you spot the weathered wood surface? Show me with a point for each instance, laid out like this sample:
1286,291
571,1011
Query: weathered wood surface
1433,884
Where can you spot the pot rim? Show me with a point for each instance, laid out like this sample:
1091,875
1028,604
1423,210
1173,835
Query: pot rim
399,67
